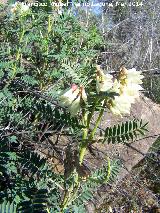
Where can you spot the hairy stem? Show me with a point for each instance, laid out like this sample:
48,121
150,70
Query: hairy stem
96,125
68,197
18,53
65,201
47,210
84,145
84,137
92,112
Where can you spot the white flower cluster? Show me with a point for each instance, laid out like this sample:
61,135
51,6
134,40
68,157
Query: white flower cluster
19,6
127,86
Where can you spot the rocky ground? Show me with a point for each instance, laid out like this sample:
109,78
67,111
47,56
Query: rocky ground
139,191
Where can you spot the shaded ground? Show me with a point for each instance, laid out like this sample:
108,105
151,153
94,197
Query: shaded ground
140,190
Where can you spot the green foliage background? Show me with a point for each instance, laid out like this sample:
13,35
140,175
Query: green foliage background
41,55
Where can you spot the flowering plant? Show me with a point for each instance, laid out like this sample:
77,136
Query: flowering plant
115,94
40,55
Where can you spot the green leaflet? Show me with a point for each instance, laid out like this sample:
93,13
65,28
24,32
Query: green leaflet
8,207
124,132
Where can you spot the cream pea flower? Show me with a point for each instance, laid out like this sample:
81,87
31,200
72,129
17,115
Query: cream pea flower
72,99
103,81
128,87
75,106
19,6
116,86
121,105
134,76
130,76
132,90
131,80
69,96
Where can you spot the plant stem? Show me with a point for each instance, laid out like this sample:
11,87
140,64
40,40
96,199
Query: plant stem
18,51
92,112
46,49
48,32
49,24
65,201
84,145
84,137
82,153
47,210
67,198
96,125
109,171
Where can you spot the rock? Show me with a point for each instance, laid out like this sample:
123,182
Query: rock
149,112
